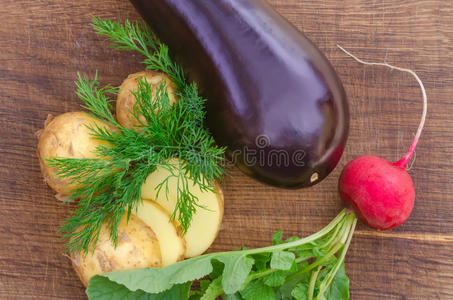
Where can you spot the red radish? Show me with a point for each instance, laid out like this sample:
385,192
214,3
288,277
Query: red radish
381,192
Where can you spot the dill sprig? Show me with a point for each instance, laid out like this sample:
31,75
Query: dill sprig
110,185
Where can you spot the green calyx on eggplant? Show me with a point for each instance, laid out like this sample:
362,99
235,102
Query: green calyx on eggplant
273,98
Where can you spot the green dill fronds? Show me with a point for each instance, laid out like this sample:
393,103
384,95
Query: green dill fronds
95,98
110,185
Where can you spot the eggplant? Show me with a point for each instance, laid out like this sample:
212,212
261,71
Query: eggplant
274,100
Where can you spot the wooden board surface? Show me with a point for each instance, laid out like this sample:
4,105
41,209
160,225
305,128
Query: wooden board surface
43,43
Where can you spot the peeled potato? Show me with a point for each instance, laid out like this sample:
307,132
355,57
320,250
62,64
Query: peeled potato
66,136
205,222
172,245
126,100
137,248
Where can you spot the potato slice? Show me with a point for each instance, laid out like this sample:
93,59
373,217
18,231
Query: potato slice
137,248
66,136
172,245
205,222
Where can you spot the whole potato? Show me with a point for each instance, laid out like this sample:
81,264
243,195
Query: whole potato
137,248
126,100
66,136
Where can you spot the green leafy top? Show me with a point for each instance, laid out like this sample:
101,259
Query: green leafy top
110,185
308,268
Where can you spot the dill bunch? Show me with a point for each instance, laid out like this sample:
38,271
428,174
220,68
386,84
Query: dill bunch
110,185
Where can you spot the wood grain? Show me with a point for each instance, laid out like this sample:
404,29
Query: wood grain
43,43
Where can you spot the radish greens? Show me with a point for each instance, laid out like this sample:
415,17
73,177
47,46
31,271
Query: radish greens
307,268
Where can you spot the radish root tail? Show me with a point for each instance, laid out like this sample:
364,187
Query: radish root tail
405,160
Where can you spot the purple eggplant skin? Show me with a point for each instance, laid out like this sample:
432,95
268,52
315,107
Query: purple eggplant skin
274,100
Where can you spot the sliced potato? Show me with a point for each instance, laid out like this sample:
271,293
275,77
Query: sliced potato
66,136
205,222
126,100
137,248
172,245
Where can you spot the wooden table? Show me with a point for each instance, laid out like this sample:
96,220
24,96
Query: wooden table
44,43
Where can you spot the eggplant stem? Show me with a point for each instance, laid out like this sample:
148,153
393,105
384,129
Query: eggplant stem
406,158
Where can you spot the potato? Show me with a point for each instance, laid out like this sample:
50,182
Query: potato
66,136
126,100
172,245
137,248
205,222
